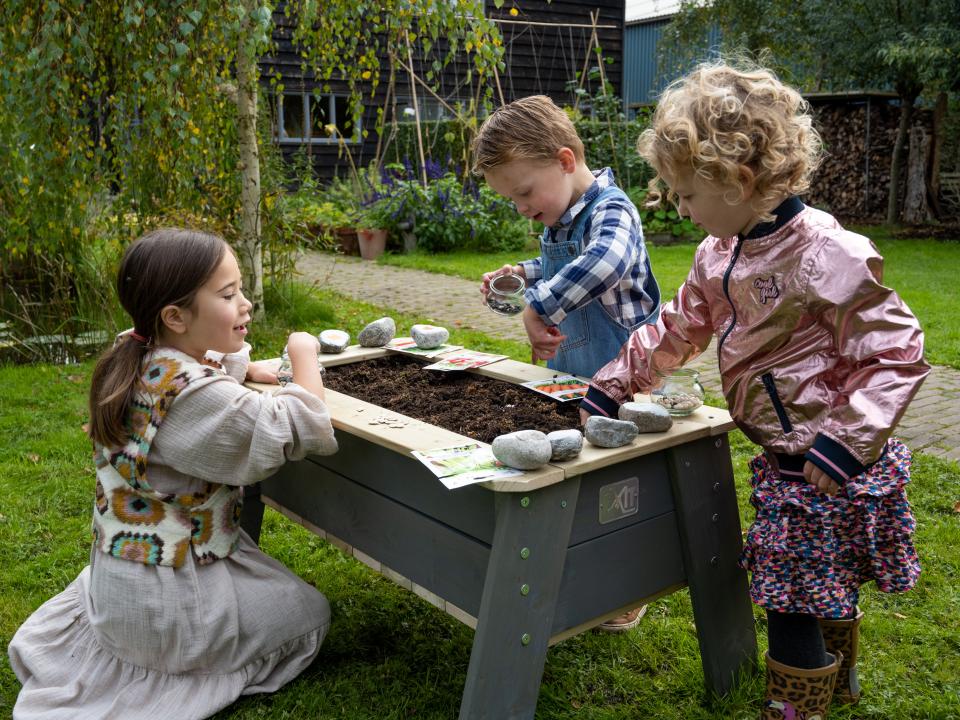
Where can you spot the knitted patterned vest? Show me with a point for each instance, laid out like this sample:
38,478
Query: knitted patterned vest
134,522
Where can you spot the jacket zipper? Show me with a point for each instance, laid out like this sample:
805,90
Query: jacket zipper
768,383
726,292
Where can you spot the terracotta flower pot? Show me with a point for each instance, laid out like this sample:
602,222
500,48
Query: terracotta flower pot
372,243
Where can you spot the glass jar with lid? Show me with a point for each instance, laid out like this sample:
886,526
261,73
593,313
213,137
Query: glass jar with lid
680,392
505,294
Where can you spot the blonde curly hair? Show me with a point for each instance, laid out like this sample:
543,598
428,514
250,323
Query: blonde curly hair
727,125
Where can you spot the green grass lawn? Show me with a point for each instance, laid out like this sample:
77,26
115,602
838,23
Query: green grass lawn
391,655
923,272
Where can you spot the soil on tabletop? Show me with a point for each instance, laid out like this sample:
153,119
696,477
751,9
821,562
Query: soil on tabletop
479,407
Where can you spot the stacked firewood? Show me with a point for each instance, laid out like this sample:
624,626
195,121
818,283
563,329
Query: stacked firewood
853,180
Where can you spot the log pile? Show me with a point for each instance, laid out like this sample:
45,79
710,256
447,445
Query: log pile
853,179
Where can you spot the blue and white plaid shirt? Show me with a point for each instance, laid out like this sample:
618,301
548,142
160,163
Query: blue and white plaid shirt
611,265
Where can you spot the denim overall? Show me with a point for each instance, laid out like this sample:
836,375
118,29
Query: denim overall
593,337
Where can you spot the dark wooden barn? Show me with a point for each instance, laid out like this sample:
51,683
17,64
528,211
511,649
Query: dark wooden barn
546,46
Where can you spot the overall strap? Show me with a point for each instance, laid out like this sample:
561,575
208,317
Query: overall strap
576,229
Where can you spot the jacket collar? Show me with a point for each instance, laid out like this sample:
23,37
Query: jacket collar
782,214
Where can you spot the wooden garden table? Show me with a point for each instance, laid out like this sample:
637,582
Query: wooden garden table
532,560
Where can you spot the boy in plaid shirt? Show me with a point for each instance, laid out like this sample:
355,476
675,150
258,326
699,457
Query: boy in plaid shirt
592,285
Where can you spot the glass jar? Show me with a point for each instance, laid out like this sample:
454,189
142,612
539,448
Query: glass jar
505,296
680,393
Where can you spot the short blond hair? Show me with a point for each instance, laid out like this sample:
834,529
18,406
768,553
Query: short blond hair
531,128
719,119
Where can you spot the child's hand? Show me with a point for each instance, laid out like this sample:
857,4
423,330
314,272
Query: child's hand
302,349
302,342
263,371
544,339
487,277
819,479
584,415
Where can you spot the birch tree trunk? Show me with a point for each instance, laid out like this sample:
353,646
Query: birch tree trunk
250,247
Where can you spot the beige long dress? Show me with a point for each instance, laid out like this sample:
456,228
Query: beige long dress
132,641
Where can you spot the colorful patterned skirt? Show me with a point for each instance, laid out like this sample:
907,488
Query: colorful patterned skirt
809,552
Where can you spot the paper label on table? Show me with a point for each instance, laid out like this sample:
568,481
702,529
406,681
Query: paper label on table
464,360
560,387
409,346
464,464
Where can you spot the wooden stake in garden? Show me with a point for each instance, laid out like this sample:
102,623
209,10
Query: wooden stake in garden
416,114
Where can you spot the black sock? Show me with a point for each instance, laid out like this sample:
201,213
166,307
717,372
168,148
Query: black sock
796,640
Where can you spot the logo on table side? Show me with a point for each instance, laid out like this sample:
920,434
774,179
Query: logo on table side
619,500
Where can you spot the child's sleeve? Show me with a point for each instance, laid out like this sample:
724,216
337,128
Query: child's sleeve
681,333
220,431
615,245
880,354
234,364
532,270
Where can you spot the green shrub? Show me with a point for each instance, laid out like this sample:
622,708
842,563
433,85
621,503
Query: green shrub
446,215
663,218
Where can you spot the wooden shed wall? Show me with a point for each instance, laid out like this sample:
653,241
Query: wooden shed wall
544,49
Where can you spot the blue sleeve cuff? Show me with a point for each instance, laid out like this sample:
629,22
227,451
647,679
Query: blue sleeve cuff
834,459
596,402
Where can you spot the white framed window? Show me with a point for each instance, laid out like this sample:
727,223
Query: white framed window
430,109
304,117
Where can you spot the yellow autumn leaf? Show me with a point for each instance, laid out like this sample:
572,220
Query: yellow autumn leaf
365,74
514,11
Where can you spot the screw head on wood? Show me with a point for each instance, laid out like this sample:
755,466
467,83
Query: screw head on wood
524,553
524,589
524,501
525,639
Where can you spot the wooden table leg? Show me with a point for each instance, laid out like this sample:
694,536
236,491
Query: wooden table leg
709,522
251,514
518,602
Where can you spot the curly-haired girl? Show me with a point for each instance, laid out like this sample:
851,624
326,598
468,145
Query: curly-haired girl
818,362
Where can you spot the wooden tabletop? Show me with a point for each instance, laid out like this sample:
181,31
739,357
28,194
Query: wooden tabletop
403,434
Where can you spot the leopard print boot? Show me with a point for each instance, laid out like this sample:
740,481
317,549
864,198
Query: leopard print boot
798,694
843,636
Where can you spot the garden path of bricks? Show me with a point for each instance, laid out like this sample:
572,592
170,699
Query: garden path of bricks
931,423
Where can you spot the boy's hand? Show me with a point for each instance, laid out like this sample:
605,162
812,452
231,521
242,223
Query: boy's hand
544,339
487,277
263,371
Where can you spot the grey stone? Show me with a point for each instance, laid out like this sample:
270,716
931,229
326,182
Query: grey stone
378,333
648,417
523,449
333,341
609,433
565,444
429,336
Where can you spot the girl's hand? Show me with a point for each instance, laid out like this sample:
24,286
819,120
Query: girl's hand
819,479
263,371
487,277
302,348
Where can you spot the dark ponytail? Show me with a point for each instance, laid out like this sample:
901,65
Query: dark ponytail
164,267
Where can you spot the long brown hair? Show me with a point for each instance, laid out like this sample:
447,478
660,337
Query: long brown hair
164,267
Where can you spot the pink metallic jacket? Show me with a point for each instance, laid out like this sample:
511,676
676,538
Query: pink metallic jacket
817,358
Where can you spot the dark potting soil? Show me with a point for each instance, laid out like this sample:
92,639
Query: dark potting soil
478,407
